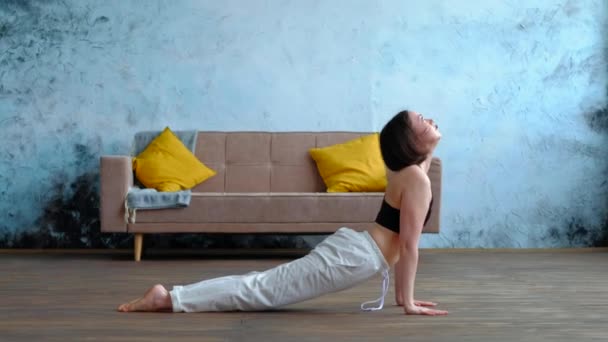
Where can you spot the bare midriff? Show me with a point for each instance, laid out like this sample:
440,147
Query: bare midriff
387,241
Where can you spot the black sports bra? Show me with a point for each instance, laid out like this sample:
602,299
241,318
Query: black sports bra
388,216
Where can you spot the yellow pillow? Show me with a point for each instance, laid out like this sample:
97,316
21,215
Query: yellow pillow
353,166
167,165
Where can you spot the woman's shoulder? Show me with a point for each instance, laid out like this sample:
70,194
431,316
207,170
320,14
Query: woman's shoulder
411,177
411,174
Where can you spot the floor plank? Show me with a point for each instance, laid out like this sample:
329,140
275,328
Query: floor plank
492,295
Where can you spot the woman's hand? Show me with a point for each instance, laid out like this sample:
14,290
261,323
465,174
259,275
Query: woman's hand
399,300
424,303
422,308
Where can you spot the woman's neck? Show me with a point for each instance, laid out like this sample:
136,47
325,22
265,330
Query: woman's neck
426,164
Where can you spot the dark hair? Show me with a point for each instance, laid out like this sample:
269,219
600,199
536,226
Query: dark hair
398,143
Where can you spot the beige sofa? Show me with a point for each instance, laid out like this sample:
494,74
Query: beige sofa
266,182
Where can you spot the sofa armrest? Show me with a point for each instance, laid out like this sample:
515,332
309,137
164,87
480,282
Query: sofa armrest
432,226
116,174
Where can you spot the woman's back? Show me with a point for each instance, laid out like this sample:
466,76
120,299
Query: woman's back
398,183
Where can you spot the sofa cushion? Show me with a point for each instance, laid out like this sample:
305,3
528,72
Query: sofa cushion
270,208
167,165
352,166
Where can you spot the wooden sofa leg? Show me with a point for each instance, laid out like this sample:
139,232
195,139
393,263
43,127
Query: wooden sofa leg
139,240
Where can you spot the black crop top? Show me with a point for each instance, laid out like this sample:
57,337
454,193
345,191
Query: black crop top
388,216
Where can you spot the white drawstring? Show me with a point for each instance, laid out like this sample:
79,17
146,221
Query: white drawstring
385,284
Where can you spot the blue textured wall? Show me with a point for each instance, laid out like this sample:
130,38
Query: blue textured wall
518,89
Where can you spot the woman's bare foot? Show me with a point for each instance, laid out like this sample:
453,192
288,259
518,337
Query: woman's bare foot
157,298
399,300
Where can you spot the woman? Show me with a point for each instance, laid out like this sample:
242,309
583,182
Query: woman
346,257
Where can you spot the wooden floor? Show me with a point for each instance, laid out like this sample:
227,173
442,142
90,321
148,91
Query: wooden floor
492,295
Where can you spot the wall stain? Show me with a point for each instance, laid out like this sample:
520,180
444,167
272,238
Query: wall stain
101,20
553,234
598,120
601,239
23,5
575,233
568,68
3,30
570,146
82,153
4,92
70,219
132,119
74,219
571,8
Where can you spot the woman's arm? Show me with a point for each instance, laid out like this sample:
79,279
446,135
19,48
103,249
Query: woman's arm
426,165
415,200
398,283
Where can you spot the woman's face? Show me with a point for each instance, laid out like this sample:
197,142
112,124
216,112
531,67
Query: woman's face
426,130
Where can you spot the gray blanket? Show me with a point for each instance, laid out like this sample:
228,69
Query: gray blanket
140,197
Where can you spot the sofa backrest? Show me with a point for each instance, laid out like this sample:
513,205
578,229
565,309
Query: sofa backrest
264,161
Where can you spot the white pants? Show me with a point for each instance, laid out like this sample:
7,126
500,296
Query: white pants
343,260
